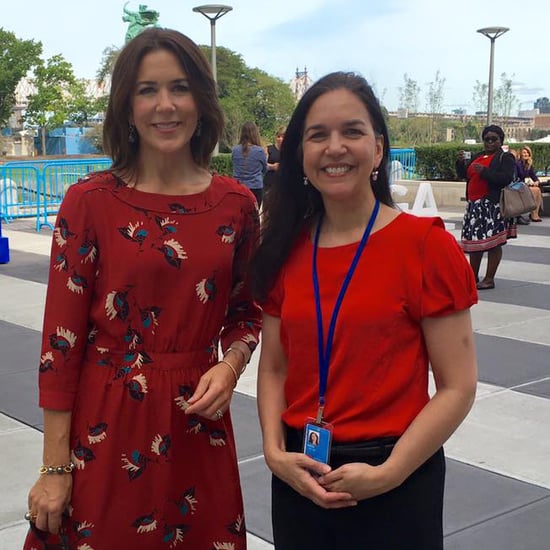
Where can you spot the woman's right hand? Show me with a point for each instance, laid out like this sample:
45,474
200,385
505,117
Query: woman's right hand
298,470
48,499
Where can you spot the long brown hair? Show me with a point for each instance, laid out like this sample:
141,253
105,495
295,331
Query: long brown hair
250,135
124,152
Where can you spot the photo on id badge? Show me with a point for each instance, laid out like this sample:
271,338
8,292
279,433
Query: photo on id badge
317,441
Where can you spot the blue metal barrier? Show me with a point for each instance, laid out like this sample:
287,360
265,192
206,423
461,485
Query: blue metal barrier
57,177
403,164
4,243
36,188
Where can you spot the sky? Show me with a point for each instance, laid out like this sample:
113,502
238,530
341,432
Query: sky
380,39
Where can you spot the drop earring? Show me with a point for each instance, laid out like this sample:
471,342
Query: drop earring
374,175
132,134
198,128
306,181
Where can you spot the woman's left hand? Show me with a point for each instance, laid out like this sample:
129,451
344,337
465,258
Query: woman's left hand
360,480
213,393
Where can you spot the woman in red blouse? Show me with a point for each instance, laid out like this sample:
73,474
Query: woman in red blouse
358,300
484,229
147,280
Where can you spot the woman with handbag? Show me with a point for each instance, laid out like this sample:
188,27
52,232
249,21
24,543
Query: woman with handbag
484,229
526,173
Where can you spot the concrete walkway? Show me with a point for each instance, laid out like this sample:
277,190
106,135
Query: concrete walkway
498,483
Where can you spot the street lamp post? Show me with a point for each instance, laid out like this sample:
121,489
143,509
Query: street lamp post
213,12
492,33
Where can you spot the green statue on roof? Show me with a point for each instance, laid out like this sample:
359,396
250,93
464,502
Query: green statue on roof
139,20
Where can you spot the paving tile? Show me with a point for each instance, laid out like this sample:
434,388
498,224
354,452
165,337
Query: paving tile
24,265
506,432
531,273
21,456
19,396
524,293
474,495
256,484
540,389
248,436
22,302
507,363
526,528
518,323
19,348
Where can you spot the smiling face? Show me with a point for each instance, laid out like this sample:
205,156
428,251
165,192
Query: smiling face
525,155
340,147
163,110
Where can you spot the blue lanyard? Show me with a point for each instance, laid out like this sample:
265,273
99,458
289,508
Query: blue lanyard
326,350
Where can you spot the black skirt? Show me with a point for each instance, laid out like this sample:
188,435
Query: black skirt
409,517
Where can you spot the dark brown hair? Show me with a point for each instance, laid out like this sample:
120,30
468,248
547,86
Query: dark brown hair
201,84
291,205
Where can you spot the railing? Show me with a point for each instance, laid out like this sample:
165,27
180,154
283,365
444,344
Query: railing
402,164
36,189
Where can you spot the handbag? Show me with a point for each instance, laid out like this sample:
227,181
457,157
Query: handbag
516,199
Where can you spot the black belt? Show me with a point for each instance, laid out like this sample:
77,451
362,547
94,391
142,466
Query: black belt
345,452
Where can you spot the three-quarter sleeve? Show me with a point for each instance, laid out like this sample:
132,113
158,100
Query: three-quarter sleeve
448,282
243,319
73,262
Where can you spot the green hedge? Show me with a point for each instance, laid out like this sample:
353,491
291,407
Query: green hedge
433,162
222,164
437,162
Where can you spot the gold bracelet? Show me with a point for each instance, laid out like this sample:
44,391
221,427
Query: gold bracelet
62,469
241,352
232,369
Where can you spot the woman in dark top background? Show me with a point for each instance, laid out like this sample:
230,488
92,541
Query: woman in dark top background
484,229
250,161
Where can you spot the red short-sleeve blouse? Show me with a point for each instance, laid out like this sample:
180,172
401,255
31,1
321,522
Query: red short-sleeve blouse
378,379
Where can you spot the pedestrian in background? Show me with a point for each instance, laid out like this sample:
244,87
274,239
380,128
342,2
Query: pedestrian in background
359,301
147,279
273,158
484,229
527,174
249,160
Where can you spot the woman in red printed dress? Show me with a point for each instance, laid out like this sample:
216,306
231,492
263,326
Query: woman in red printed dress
147,279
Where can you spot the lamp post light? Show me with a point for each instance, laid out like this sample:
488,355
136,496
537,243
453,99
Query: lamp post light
213,12
492,33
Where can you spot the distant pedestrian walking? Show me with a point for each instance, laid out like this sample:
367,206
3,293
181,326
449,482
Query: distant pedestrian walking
250,160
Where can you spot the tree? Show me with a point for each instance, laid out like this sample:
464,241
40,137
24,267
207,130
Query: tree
249,94
409,94
480,97
17,57
543,105
48,107
504,98
110,55
435,100
81,106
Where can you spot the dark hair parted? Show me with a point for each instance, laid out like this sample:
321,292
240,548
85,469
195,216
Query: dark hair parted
123,82
290,206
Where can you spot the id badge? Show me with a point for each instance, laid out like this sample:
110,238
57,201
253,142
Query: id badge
317,440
